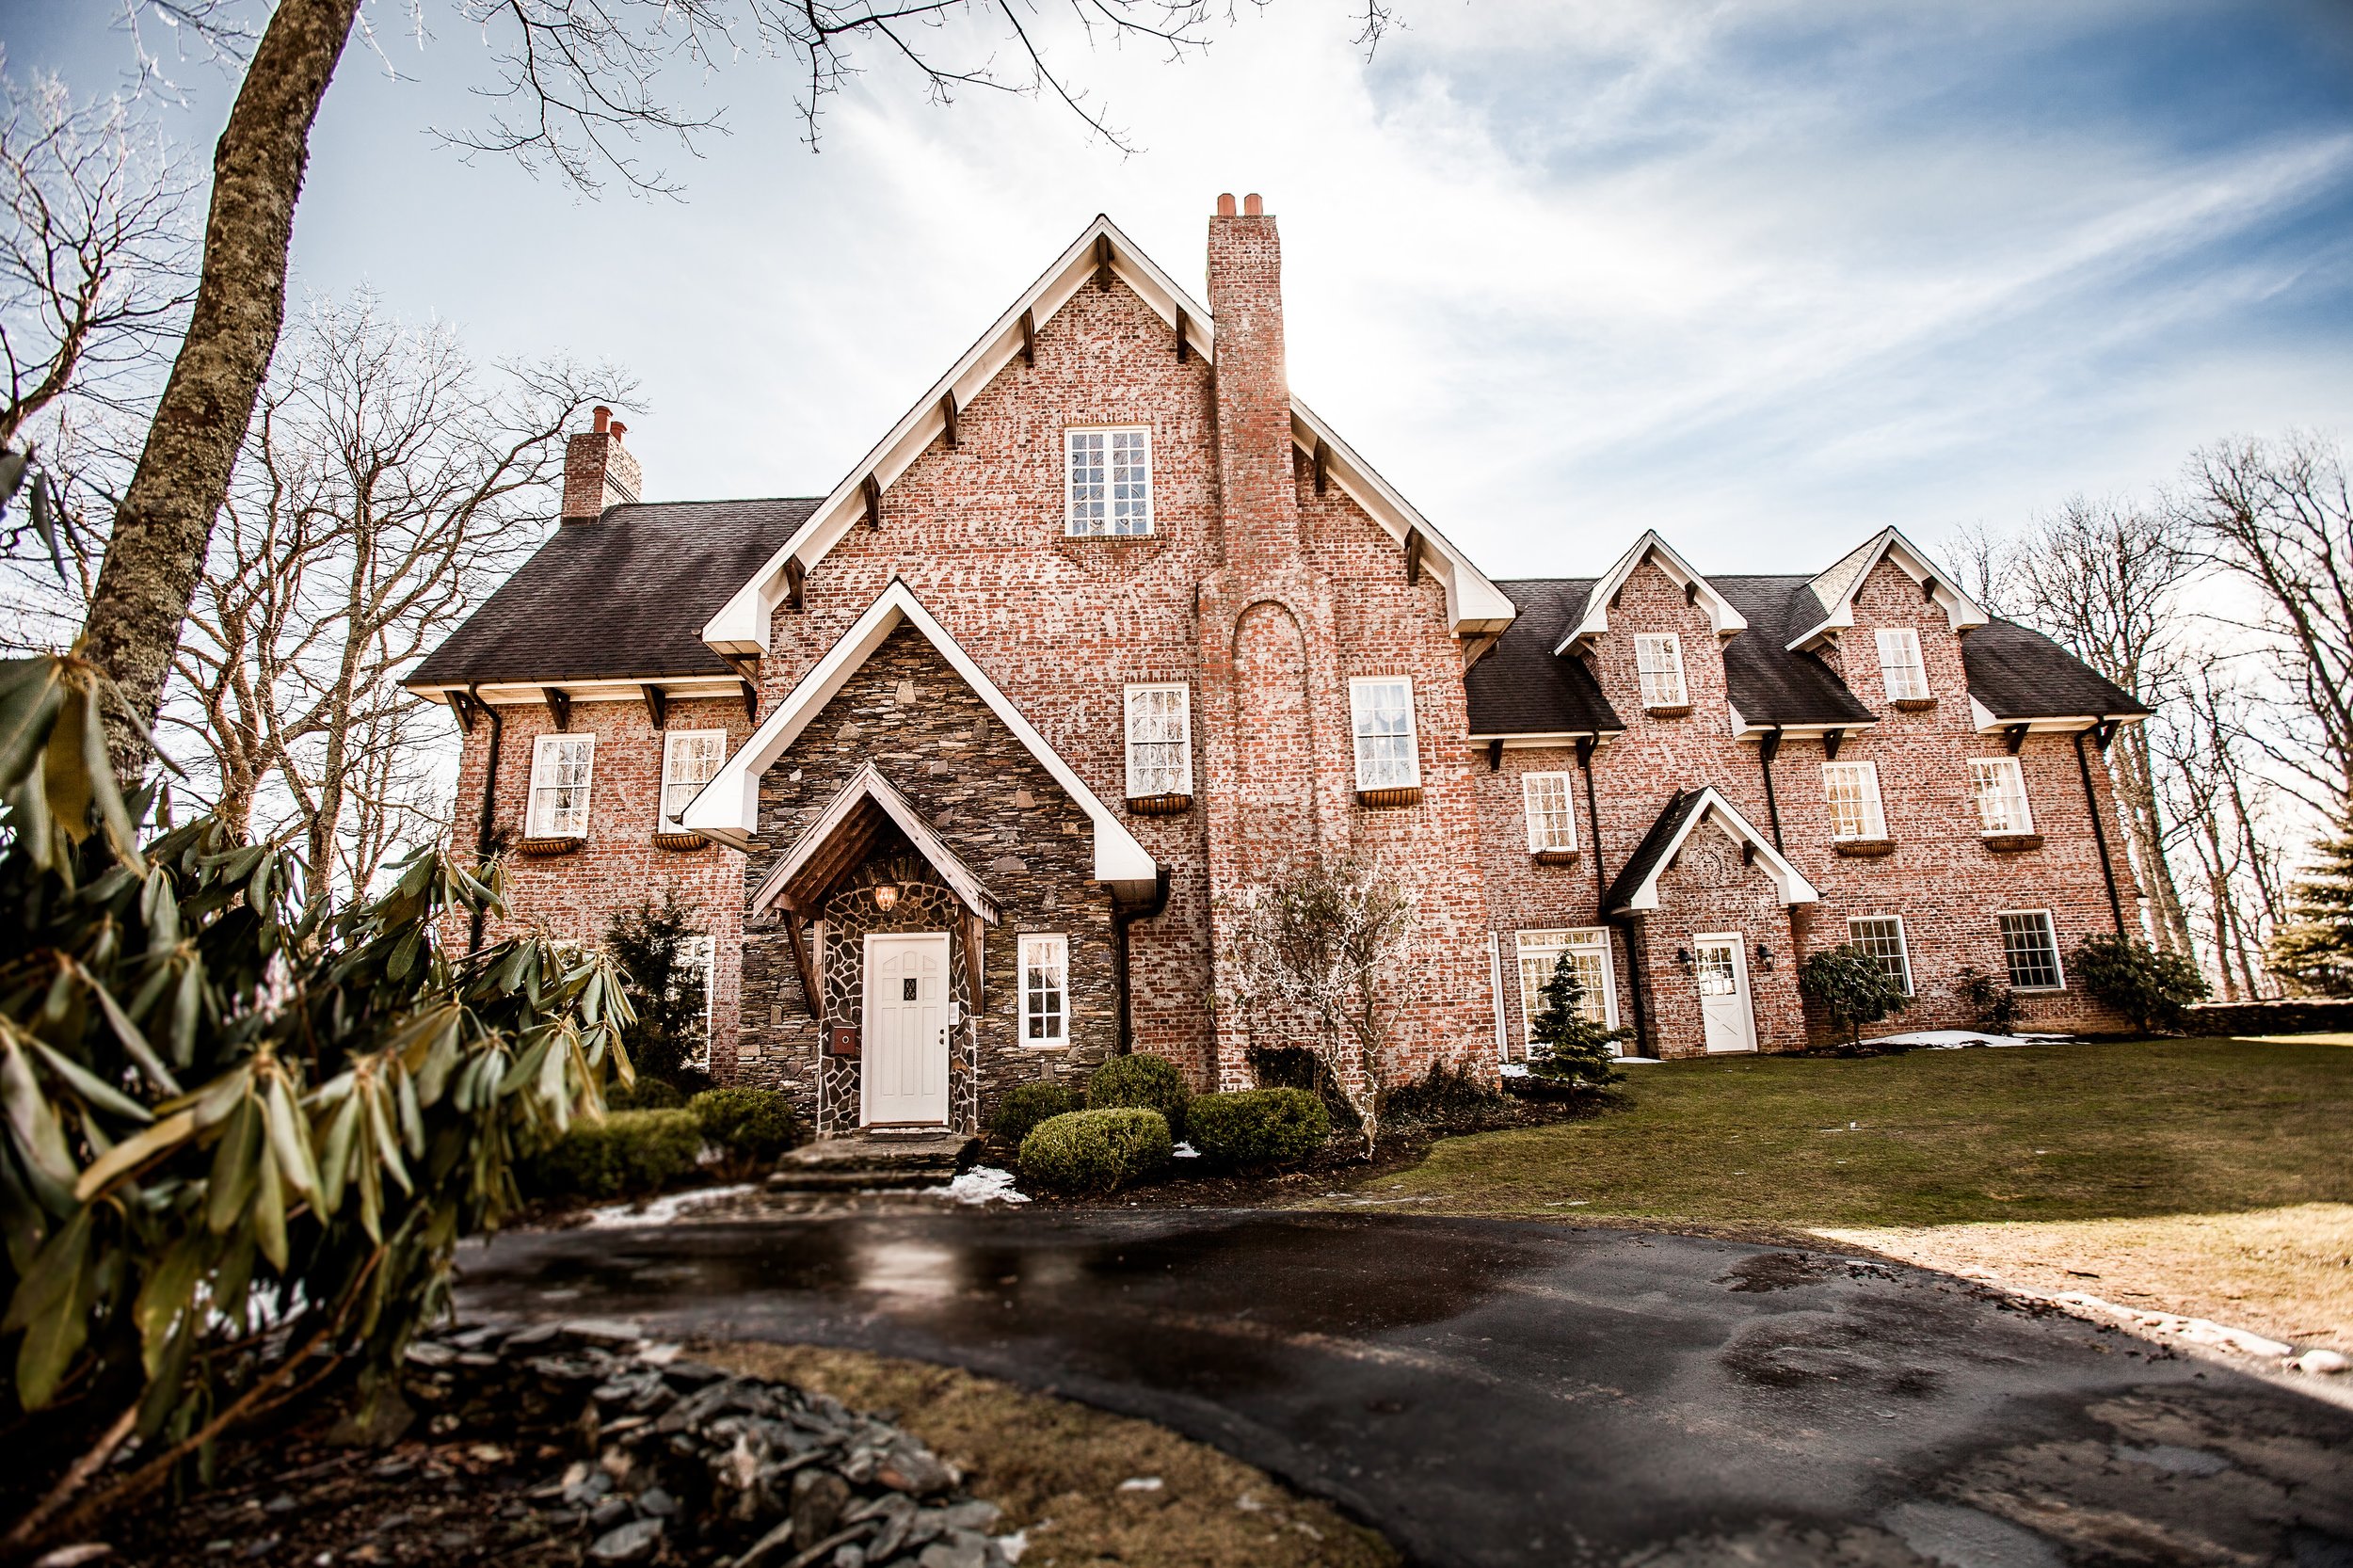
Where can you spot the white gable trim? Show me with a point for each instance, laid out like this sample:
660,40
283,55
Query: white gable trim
1962,613
727,809
869,784
1714,808
1720,614
1474,604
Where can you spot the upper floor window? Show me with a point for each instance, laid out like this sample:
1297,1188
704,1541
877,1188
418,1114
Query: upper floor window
1883,937
1551,818
1853,790
2000,787
560,765
690,760
1159,741
2030,948
1108,486
1658,659
1906,677
1382,709
1045,990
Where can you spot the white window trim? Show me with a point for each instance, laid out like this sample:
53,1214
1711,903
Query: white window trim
2049,927
2026,807
1151,491
662,793
1059,945
1127,733
1672,642
542,748
1903,941
1876,828
1909,637
1552,943
1412,731
1528,806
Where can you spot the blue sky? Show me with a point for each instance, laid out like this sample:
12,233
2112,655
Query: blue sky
1764,276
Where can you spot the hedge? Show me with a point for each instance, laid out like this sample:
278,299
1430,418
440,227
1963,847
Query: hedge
750,1127
1260,1126
1096,1151
1145,1082
647,1094
1029,1104
626,1154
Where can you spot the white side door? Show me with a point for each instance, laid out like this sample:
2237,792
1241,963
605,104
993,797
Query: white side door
1722,965
904,1043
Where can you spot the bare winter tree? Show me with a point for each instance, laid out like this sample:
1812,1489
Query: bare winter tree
1317,951
2224,821
387,482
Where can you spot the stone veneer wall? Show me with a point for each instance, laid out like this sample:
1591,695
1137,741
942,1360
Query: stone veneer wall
925,904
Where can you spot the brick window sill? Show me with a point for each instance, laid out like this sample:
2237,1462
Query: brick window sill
1670,710
1862,849
1913,704
1158,806
680,840
2011,843
1553,856
1382,799
540,849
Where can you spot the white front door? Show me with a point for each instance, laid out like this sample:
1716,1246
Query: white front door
1721,964
908,1015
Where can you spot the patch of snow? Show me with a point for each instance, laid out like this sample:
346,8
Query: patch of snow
983,1184
1011,1546
1185,1151
1960,1039
2195,1331
2322,1362
1142,1484
1513,1069
665,1210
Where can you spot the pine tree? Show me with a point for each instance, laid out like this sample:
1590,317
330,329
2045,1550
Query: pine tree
1566,1044
2315,947
667,989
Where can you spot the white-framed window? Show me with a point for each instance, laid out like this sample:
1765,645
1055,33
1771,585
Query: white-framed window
560,766
1551,812
1108,481
2000,786
696,961
1045,990
1159,740
1388,755
1883,937
690,760
1589,954
2030,948
1659,659
1853,790
1905,676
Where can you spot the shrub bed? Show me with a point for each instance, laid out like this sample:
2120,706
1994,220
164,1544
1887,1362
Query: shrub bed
626,1154
1029,1104
750,1127
1253,1128
1083,1152
1145,1082
647,1094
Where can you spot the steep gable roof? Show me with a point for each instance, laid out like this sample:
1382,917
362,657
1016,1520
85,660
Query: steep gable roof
1769,684
1522,687
741,624
1636,888
1593,619
1832,591
2017,674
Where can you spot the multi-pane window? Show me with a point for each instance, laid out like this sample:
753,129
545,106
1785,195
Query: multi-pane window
2030,947
1159,741
1045,990
1883,937
690,760
1588,956
1906,677
1110,481
693,970
1659,659
2000,787
560,765
1382,710
1551,817
1853,790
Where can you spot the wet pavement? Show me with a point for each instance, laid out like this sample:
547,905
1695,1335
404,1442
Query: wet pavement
1491,1392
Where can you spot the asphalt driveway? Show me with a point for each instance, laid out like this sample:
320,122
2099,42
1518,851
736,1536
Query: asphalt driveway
1490,1392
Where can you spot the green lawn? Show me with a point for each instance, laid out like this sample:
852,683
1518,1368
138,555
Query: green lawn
2044,1132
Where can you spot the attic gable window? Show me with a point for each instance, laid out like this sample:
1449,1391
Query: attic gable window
1108,482
1905,678
560,767
1658,659
1380,707
690,760
1852,792
1159,741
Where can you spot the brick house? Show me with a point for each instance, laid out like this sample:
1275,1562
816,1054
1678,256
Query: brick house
970,765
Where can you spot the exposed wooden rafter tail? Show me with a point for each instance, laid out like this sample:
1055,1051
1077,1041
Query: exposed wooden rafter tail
657,704
948,412
795,583
2015,737
1029,338
1413,555
1831,739
1323,464
1103,263
870,487
559,707
1184,325
751,700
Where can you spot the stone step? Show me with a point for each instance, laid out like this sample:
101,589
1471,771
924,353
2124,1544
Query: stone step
874,1160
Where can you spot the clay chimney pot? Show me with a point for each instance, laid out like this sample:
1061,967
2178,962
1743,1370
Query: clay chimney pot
619,429
605,416
1254,205
1225,205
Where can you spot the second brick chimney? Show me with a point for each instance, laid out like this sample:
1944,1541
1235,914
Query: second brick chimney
1253,400
599,472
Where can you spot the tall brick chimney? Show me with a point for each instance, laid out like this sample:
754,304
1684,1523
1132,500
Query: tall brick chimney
1254,404
599,472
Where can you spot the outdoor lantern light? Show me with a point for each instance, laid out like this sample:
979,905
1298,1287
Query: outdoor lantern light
1763,956
886,896
1682,956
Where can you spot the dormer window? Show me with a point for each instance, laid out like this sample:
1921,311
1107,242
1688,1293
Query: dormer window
1659,659
1905,678
1108,482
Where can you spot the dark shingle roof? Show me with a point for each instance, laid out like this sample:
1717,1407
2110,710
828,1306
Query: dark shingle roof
624,596
1520,688
1645,857
2021,674
1765,682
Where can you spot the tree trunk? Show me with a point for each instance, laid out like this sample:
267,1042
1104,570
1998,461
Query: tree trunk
166,520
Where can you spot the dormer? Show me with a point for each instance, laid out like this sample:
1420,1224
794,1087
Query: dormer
1833,591
1595,621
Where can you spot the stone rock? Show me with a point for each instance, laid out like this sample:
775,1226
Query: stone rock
818,1498
656,1503
609,1513
636,1542
963,1550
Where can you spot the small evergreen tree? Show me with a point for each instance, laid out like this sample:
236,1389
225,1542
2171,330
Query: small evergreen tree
2154,989
653,947
1564,1044
2314,948
1853,987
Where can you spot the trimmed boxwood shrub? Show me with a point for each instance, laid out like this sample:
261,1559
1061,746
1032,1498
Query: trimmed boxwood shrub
1145,1081
1260,1126
625,1153
1096,1151
647,1094
1029,1104
750,1127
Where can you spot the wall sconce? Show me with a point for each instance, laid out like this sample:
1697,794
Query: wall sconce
1763,956
886,896
1682,956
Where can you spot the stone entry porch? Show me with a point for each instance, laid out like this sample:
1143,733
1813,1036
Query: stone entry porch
874,1159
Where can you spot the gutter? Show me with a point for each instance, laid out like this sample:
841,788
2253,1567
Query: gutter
487,831
1121,921
2099,837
